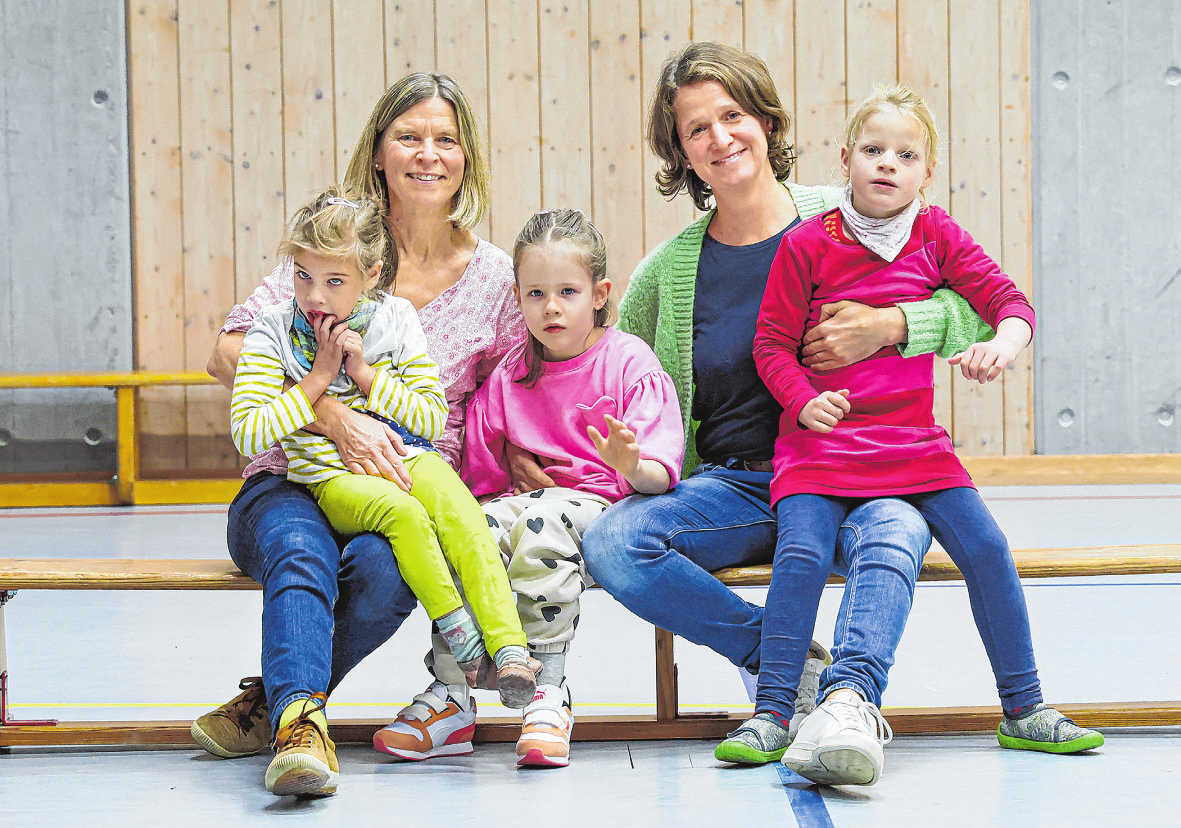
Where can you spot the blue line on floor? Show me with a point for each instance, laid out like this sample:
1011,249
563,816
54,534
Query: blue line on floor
806,802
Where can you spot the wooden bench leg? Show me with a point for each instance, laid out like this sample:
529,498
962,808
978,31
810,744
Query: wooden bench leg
666,677
5,719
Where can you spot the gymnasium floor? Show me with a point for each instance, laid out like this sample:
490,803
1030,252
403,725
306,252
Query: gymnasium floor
69,658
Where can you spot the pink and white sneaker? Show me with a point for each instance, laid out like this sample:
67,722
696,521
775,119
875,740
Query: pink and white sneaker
545,732
432,725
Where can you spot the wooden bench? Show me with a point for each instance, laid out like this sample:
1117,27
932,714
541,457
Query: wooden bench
667,723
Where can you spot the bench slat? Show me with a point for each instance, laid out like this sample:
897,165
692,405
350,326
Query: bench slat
127,573
121,573
1031,563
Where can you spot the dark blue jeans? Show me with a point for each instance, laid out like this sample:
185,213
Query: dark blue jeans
879,590
654,554
327,602
962,524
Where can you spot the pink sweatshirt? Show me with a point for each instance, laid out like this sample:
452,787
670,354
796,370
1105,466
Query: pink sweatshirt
889,442
619,375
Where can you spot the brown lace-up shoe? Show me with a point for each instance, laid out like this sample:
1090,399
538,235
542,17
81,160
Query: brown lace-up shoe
239,727
305,758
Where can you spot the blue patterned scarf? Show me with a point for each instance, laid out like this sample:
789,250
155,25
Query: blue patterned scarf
303,335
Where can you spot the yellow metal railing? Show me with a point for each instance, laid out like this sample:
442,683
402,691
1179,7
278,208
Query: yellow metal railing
126,487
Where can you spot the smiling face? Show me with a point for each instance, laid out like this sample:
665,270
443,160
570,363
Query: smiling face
421,156
888,164
558,299
724,144
330,286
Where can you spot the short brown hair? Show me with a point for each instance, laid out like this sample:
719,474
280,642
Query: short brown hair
746,79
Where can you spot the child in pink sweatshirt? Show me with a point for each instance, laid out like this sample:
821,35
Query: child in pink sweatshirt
596,406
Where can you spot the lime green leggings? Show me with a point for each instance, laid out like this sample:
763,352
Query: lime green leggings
436,524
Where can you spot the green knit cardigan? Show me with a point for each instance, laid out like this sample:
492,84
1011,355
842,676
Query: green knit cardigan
658,307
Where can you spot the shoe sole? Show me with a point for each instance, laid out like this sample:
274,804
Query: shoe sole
456,749
206,741
1088,742
739,754
834,766
301,776
535,758
516,691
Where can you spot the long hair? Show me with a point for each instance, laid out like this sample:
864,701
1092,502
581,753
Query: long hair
471,200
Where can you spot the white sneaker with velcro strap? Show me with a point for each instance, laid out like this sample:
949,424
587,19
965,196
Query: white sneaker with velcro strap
545,732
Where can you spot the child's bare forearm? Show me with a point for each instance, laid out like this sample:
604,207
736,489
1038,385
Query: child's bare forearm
649,477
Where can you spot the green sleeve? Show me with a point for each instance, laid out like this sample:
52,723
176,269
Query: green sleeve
944,324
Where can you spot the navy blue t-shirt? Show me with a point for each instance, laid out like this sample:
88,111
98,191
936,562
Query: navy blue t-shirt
738,417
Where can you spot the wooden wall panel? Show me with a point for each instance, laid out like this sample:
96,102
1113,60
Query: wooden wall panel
664,25
565,105
871,45
359,70
923,56
1016,251
820,89
617,130
158,276
973,158
207,198
561,92
259,206
409,32
514,117
309,129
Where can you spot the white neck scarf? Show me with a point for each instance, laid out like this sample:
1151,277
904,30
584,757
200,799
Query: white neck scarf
887,236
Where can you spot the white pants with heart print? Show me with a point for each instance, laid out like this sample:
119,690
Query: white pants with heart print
540,539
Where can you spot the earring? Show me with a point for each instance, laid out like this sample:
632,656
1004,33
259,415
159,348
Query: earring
377,167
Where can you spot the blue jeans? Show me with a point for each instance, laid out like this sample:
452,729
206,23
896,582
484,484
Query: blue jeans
962,524
878,546
326,605
654,553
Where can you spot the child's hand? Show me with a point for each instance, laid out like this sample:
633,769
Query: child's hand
619,448
985,361
329,347
354,362
823,413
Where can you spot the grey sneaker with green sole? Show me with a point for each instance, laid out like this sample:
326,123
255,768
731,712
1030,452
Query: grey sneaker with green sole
760,739
1047,730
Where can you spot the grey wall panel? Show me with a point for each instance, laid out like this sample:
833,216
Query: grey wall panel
1107,212
65,261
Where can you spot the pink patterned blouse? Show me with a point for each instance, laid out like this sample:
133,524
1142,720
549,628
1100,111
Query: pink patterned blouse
469,328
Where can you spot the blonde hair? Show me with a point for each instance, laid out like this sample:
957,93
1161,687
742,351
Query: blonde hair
471,200
553,227
904,100
343,225
746,79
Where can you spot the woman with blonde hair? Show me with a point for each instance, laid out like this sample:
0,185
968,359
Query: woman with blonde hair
327,601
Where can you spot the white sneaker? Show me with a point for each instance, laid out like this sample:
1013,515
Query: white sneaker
434,724
809,688
545,731
840,743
